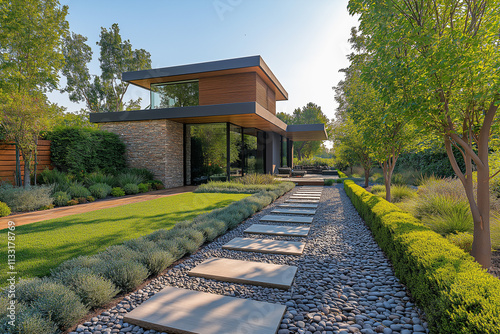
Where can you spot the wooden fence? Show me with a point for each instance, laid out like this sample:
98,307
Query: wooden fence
8,159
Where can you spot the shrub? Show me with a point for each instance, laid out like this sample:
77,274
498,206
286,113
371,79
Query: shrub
462,240
90,199
99,178
172,246
156,185
400,193
257,179
93,289
144,187
457,295
342,175
448,216
59,180
61,198
126,275
131,189
152,256
77,190
26,199
100,190
72,202
117,192
4,209
145,174
53,300
28,321
129,178
46,207
85,150
330,182
377,189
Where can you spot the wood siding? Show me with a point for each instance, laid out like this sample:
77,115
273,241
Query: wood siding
232,88
8,159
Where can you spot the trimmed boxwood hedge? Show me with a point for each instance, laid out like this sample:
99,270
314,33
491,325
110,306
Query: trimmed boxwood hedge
124,267
457,295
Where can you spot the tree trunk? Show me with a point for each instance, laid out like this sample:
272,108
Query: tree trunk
18,180
367,176
350,166
481,245
27,175
387,180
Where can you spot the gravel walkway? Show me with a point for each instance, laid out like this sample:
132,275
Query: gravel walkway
344,282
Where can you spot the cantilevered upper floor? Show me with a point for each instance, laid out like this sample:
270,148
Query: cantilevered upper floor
241,91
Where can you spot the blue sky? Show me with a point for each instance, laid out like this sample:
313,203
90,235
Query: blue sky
303,42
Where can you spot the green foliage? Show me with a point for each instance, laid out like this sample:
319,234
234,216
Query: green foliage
90,199
315,161
237,187
56,178
455,293
28,321
144,173
430,162
26,199
131,188
117,192
126,275
309,114
77,190
330,182
129,178
399,193
342,175
85,150
100,190
93,289
445,215
53,300
99,177
462,240
256,179
144,187
72,202
4,209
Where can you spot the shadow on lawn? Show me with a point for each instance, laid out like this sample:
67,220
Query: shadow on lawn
44,245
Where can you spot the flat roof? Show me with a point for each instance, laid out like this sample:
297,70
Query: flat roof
244,114
145,78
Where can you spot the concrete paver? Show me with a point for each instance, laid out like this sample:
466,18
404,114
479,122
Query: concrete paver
295,211
178,310
292,231
246,272
266,246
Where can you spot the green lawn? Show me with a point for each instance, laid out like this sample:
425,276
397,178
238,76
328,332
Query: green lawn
44,245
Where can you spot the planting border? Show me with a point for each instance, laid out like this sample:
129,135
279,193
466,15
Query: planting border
457,295
124,267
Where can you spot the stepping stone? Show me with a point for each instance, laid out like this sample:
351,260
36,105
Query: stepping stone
302,201
305,197
266,246
309,192
295,211
177,310
287,219
298,205
292,231
246,272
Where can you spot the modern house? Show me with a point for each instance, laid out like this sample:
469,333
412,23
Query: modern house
211,120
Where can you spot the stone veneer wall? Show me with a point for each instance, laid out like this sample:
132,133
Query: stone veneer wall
156,145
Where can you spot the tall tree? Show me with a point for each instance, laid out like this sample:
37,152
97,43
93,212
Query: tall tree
23,116
103,93
309,114
31,32
117,57
451,52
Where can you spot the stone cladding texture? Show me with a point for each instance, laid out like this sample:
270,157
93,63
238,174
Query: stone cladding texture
155,145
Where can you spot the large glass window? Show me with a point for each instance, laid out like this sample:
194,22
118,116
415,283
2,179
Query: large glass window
253,151
236,155
175,94
284,152
208,152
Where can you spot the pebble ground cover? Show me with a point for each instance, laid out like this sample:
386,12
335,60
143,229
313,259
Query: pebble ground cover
43,245
344,282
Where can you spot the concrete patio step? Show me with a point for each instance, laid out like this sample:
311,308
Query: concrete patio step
308,193
292,231
305,198
302,200
246,272
177,310
287,219
298,205
295,211
266,246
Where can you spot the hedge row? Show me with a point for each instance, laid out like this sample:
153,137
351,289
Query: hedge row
59,301
233,187
457,295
